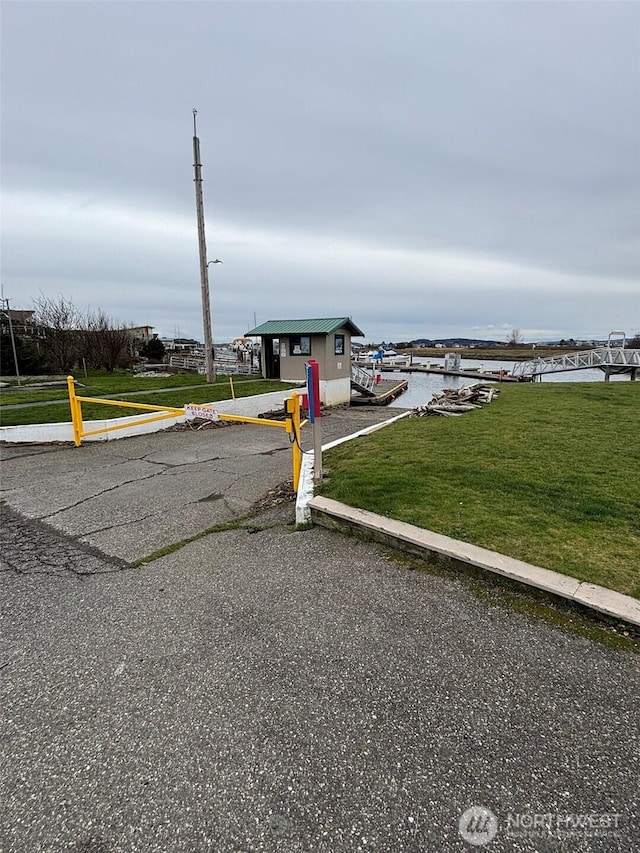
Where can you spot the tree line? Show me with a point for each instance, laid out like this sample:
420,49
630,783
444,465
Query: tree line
63,337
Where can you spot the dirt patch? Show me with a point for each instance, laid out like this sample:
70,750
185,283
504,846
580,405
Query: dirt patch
197,424
281,494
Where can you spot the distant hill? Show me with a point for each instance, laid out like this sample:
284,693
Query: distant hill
502,344
450,342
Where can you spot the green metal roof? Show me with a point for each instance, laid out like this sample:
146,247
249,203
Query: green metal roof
322,326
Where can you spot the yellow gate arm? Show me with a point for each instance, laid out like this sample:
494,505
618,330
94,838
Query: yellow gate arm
292,424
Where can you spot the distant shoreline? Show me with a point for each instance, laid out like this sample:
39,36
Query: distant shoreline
506,353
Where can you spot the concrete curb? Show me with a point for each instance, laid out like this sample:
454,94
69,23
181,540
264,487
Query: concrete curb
333,514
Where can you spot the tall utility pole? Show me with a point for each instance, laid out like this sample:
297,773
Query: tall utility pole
204,269
7,313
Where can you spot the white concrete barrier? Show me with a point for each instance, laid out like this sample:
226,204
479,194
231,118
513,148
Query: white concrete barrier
250,407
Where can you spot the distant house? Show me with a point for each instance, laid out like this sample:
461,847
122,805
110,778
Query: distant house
141,333
139,338
189,345
288,344
22,323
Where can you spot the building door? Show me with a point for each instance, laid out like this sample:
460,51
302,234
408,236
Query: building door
272,358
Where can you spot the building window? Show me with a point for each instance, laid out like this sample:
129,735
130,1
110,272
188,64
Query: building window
300,345
338,345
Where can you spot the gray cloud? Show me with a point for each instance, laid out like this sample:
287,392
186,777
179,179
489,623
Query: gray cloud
429,169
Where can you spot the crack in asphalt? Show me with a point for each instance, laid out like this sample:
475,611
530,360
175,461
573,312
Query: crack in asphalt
100,494
35,546
141,518
79,537
30,546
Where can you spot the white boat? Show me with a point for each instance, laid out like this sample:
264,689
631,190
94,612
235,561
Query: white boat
389,358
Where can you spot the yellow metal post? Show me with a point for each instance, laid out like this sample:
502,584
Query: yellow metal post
233,393
79,420
76,412
297,449
292,405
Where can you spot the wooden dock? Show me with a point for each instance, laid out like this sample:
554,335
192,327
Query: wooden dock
473,373
470,373
383,393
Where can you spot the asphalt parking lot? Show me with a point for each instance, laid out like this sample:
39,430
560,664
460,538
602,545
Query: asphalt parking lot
266,689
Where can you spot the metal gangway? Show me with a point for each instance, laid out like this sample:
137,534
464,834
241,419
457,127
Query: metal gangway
610,358
362,380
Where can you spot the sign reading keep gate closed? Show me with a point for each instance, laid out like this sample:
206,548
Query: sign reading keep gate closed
204,412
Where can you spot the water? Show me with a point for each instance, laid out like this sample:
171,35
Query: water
422,386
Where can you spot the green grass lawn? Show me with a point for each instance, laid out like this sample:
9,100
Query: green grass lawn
548,473
99,385
99,382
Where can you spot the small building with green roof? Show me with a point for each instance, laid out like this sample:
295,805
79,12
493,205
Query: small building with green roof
288,344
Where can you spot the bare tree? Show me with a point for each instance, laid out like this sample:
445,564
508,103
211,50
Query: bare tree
514,338
72,336
108,342
62,324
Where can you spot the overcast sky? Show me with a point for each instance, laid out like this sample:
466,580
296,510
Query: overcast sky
429,169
